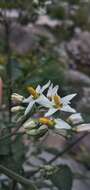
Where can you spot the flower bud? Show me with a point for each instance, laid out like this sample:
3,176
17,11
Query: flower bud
37,132
17,108
16,98
75,119
29,124
83,127
48,170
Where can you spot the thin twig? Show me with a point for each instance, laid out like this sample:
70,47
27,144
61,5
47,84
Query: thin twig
17,127
68,148
13,185
65,150
8,65
17,177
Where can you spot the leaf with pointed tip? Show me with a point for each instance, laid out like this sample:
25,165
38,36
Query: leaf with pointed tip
62,178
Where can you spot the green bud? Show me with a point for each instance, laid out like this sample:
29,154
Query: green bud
48,170
29,124
37,132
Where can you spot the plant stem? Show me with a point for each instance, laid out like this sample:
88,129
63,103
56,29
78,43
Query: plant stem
8,65
6,23
13,175
65,150
13,185
68,147
17,127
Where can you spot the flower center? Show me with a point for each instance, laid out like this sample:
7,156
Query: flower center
46,121
33,92
57,101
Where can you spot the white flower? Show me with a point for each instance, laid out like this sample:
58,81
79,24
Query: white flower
52,91
60,104
56,123
37,97
60,124
75,118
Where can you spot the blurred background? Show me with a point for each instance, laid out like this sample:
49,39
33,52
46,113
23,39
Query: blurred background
43,40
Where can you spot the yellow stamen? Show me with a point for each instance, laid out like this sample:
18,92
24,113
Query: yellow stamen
46,121
32,91
57,101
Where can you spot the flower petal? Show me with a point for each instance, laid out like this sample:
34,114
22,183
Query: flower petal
46,86
60,124
28,100
49,93
42,100
67,108
66,99
38,89
54,90
50,112
29,107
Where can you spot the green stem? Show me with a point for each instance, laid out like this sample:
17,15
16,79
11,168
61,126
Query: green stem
8,65
13,175
13,185
17,127
6,23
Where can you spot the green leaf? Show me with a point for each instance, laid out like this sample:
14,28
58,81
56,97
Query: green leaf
37,133
62,178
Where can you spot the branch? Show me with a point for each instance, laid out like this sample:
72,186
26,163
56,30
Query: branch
17,177
8,65
17,127
68,148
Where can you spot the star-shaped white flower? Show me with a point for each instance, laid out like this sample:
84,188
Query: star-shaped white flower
52,91
56,123
60,104
37,97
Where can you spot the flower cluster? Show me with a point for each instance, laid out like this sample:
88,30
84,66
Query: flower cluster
45,101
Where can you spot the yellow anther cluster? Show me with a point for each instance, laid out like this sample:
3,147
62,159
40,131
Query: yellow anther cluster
46,121
32,91
57,101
